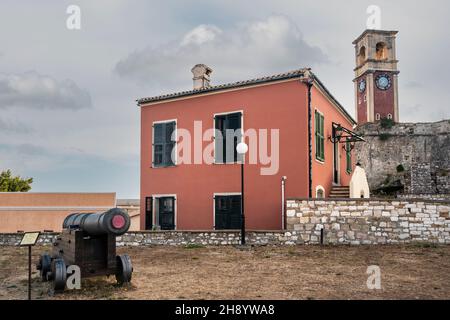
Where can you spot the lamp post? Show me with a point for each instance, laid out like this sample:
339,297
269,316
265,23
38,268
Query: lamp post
242,149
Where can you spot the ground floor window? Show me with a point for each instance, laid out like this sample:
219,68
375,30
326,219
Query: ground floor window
227,212
160,212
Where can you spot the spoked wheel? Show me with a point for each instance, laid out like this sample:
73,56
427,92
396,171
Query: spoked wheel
124,269
59,274
44,266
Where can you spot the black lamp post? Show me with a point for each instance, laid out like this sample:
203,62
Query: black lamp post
242,149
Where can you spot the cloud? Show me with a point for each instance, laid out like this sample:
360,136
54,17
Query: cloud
8,127
33,90
272,45
413,85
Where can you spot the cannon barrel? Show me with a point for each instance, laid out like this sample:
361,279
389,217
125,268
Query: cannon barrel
114,221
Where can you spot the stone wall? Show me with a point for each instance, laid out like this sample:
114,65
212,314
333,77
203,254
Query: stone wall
138,238
407,157
369,221
339,221
425,196
13,239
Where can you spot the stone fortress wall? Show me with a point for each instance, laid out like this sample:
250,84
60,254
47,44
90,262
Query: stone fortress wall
413,158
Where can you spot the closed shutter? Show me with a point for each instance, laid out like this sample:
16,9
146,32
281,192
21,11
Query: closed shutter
228,212
148,213
228,135
319,136
163,144
167,213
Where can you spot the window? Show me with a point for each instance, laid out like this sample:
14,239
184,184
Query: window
377,117
228,135
227,212
319,135
165,212
348,156
389,116
163,144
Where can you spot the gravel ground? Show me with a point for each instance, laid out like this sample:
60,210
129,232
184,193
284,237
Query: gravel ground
303,272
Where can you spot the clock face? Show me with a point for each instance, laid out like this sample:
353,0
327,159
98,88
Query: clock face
383,82
362,86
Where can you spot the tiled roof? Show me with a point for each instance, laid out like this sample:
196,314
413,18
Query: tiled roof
299,73
282,76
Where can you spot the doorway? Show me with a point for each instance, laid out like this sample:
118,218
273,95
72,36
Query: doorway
165,213
227,212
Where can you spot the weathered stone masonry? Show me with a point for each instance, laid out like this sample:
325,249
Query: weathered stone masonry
420,150
368,221
347,221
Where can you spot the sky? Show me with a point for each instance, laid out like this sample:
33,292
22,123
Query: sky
68,116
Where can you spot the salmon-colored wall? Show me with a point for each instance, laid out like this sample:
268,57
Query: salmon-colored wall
46,211
276,106
322,173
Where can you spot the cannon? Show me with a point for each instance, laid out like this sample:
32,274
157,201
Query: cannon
88,240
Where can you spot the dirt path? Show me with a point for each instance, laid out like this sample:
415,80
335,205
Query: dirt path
411,272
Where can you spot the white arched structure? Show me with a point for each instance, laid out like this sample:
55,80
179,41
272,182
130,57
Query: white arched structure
359,187
320,192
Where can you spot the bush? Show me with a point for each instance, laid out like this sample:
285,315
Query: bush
400,168
384,136
386,123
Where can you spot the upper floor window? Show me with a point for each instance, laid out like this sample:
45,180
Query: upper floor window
319,136
227,136
163,145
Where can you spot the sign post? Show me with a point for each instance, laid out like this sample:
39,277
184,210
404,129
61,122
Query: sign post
29,239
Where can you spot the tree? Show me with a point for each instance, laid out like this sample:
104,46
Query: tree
9,183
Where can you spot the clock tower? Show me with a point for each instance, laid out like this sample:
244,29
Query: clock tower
376,76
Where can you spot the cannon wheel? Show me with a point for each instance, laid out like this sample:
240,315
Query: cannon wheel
59,273
44,266
124,269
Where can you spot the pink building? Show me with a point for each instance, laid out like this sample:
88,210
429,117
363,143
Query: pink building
314,151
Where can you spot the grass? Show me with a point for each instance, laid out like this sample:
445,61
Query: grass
418,244
194,246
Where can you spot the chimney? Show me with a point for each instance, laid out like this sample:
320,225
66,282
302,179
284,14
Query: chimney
201,74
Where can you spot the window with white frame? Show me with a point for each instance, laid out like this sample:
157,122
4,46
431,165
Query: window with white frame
163,145
319,135
228,134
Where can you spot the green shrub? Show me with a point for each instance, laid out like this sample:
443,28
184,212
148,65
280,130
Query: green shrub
400,168
386,123
194,246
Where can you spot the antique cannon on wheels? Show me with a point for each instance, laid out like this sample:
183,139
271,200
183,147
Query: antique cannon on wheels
88,240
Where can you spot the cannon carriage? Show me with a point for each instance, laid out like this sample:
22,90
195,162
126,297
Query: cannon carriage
88,240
